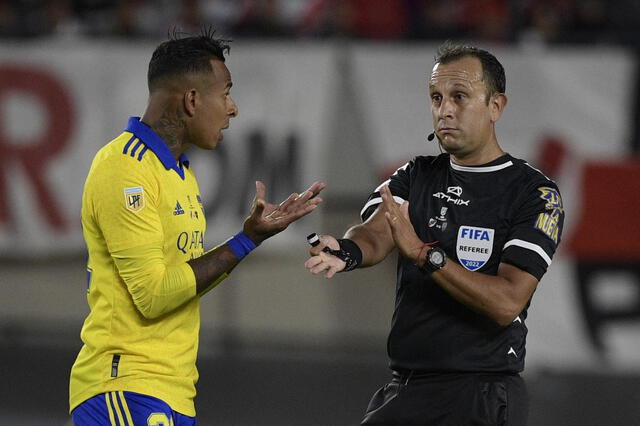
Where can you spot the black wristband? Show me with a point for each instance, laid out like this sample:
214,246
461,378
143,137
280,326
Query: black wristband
349,253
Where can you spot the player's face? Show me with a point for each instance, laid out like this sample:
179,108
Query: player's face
215,109
461,117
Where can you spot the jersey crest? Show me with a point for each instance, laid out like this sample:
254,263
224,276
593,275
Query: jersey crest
474,246
134,199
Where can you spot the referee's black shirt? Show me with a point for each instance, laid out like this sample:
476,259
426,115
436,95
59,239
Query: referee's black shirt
503,211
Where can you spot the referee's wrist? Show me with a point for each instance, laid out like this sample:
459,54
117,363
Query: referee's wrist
421,258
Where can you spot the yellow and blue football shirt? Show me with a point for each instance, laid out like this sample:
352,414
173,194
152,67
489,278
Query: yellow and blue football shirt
142,220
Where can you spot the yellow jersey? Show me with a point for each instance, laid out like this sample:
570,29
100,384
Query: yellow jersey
142,220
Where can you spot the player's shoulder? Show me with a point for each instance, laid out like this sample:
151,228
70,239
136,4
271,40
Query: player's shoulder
125,154
427,162
530,173
120,162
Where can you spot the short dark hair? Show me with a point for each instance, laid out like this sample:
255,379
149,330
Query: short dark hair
182,55
492,69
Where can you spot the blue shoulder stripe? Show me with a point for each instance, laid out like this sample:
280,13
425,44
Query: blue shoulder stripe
126,147
136,147
142,153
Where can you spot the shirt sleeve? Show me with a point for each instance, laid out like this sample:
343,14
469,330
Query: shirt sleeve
155,288
536,231
399,186
124,205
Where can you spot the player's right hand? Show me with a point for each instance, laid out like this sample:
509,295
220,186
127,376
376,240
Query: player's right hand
321,261
268,219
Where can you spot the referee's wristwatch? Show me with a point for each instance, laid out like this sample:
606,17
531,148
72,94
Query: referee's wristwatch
436,259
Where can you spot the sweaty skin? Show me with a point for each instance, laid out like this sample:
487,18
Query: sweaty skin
465,77
464,113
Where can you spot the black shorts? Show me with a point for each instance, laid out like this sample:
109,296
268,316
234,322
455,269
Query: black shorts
454,399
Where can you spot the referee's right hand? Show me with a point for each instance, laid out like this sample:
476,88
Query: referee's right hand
321,261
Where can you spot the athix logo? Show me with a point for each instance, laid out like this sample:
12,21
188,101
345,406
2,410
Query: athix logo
178,210
456,191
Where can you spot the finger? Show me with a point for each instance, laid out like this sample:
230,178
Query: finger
258,208
261,190
387,198
391,219
315,201
313,261
315,188
297,214
331,272
311,192
315,251
404,210
329,241
319,268
307,197
286,203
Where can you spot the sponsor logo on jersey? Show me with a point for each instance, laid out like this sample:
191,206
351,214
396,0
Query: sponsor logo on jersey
191,243
134,199
549,222
456,192
474,246
178,210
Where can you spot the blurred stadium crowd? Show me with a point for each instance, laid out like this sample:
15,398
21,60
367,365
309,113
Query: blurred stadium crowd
507,21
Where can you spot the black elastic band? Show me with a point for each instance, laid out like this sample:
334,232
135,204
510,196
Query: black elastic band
349,253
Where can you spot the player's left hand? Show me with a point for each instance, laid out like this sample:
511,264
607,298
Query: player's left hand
404,236
268,219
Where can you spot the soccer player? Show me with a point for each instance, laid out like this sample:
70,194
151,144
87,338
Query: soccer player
144,226
476,230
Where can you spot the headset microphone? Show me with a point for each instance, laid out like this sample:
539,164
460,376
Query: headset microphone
431,136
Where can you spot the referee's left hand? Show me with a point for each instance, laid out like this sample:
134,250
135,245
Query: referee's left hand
268,219
404,235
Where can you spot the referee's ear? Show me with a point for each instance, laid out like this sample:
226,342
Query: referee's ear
497,104
190,99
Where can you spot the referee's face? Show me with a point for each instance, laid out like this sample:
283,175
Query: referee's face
462,119
215,107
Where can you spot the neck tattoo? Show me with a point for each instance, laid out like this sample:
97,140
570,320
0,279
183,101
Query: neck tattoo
170,127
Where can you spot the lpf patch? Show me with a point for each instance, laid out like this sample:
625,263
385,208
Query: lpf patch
134,199
474,246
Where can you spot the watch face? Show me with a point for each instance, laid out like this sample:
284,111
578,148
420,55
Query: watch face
436,257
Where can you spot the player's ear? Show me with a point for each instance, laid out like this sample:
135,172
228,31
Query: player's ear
497,103
190,100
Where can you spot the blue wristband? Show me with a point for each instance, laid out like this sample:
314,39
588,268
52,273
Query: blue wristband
241,245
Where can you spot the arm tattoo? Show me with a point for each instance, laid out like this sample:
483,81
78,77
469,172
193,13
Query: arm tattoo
212,265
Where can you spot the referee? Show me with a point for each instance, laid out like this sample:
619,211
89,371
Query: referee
476,230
